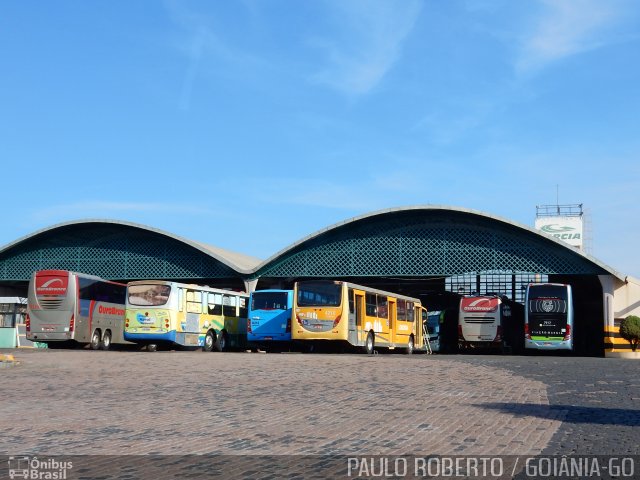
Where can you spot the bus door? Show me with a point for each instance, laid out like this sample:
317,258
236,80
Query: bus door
393,323
359,305
352,313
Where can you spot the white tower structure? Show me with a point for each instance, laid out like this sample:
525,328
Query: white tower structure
565,222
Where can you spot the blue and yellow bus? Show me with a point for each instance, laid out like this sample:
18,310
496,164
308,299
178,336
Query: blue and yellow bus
168,313
269,323
548,322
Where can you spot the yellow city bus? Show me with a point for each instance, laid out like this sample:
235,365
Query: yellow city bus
358,316
166,313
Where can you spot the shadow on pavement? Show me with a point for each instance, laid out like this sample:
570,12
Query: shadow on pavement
570,413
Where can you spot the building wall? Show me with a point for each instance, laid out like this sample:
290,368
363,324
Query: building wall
621,299
626,298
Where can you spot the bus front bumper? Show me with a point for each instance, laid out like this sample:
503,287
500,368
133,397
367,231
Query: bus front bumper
548,344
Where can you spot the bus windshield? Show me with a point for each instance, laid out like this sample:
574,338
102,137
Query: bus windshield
548,291
144,295
269,301
319,294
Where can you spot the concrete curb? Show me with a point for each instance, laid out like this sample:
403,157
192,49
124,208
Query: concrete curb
628,355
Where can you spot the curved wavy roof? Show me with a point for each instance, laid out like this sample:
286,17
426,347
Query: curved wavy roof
248,265
444,208
234,260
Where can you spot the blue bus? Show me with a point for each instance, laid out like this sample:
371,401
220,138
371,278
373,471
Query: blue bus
269,318
548,322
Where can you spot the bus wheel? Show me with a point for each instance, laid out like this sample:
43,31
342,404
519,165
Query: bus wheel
209,342
410,346
369,344
152,347
106,340
221,342
95,340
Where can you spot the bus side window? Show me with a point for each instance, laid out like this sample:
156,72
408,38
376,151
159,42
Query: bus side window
383,306
180,299
402,310
243,307
229,306
371,308
215,304
410,312
194,301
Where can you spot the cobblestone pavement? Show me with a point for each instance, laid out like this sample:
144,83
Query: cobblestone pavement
89,402
597,400
82,402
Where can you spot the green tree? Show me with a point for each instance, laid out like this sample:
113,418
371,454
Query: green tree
630,330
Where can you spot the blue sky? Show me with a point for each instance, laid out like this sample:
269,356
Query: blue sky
251,124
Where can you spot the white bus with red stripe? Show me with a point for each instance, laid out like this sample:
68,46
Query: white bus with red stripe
480,321
69,308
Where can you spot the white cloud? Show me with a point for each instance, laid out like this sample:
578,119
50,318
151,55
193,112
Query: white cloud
207,52
367,43
567,28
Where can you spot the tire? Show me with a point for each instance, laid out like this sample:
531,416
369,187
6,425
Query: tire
152,347
95,340
221,342
209,342
411,346
106,340
370,344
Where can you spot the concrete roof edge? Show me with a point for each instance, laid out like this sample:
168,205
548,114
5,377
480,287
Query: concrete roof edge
219,254
434,207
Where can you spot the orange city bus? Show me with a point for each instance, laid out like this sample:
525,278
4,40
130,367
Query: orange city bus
355,315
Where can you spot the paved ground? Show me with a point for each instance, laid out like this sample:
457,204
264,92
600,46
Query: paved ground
597,399
123,403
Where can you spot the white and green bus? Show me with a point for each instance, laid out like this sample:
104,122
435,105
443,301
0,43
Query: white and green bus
164,313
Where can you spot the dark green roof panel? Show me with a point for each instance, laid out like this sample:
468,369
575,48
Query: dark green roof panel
426,242
111,251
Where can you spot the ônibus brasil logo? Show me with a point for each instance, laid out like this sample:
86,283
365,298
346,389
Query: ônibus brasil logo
33,468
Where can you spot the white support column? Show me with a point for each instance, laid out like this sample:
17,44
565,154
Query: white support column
607,283
250,285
